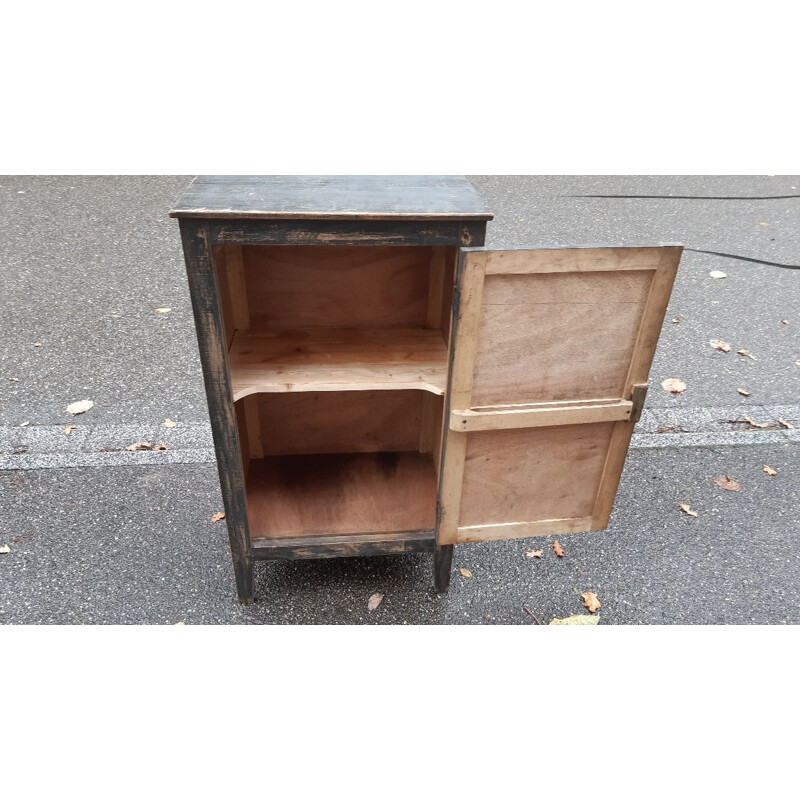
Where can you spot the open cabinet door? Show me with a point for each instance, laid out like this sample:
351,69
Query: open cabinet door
551,350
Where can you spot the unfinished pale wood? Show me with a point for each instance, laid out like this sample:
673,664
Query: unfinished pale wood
538,434
225,300
337,287
436,287
653,318
339,422
524,261
427,429
533,473
253,426
464,335
326,495
520,530
533,417
234,260
319,359
559,336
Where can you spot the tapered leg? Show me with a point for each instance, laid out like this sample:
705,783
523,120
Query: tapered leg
442,566
244,581
213,357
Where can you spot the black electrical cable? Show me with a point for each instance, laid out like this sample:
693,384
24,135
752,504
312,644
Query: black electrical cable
743,258
680,197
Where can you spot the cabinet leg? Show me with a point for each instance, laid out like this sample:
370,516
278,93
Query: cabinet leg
243,570
442,565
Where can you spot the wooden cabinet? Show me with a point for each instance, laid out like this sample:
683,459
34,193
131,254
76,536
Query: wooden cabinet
379,382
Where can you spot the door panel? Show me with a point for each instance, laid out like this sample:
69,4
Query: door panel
550,353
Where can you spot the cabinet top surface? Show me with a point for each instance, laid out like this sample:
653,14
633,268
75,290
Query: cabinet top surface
378,197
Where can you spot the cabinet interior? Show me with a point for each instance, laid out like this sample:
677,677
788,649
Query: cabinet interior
338,363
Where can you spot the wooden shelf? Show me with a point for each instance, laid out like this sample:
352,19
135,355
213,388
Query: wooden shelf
336,359
299,497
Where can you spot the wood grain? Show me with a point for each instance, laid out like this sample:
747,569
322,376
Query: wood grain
364,233
337,287
359,544
539,417
323,495
340,197
533,474
320,359
543,393
521,530
464,334
339,422
557,336
213,356
525,261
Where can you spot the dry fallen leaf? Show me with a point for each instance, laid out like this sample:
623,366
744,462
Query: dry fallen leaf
727,483
169,423
578,619
673,385
590,601
218,516
752,422
769,470
534,554
180,623
676,320
375,601
785,424
785,321
160,447
80,406
140,446
558,549
744,392
164,310
718,344
746,354
465,573
39,344
68,430
5,549
687,509
717,274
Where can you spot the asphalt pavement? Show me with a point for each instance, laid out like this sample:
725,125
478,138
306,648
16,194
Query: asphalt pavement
98,534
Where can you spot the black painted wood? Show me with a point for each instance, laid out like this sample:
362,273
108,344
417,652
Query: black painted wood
357,232
339,546
211,340
331,197
335,210
442,567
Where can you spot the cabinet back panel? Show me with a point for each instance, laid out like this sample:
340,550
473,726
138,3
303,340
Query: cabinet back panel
326,286
339,422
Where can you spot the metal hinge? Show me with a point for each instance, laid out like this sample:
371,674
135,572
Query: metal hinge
637,398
